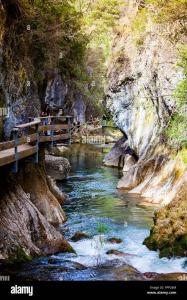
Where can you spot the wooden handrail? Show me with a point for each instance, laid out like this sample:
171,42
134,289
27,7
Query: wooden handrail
53,117
28,144
55,127
26,125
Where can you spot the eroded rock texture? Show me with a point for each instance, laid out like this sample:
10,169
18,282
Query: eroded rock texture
169,233
142,79
28,211
57,167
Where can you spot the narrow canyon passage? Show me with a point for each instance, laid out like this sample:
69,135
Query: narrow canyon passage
93,140
95,204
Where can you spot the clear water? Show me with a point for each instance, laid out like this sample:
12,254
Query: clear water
94,201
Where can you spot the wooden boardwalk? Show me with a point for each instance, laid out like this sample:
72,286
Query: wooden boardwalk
28,136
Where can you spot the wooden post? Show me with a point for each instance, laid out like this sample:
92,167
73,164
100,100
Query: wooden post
52,133
16,142
69,129
37,143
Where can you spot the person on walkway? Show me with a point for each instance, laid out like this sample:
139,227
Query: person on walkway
104,120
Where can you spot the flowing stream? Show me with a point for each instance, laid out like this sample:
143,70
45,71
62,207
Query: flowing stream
94,202
96,208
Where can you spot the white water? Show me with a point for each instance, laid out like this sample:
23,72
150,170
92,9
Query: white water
93,200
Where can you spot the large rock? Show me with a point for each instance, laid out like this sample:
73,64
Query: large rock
79,236
57,167
44,196
114,240
56,90
119,154
79,108
112,159
169,233
139,97
27,208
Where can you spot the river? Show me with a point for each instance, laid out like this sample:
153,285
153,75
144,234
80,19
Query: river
96,208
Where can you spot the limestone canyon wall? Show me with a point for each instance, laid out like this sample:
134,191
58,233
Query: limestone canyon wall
142,78
29,201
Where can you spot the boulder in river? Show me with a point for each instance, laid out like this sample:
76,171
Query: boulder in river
57,167
114,240
165,277
118,253
69,265
79,236
113,157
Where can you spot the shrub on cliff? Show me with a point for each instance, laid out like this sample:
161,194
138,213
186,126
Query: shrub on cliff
176,131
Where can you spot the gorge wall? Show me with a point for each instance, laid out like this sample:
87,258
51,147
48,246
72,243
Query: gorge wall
30,210
30,202
142,78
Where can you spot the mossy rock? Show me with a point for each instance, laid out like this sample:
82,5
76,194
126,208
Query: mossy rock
79,236
19,256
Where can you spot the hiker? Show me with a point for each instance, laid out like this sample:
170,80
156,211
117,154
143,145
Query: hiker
104,120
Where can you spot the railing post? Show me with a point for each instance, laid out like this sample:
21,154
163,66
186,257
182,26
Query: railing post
37,143
52,133
69,129
15,137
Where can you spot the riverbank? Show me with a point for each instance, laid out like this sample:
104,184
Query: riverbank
30,213
95,207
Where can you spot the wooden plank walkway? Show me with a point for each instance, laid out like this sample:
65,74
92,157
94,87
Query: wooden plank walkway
8,156
28,145
36,132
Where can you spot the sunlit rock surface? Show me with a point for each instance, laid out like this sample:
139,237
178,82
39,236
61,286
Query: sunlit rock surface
142,79
169,233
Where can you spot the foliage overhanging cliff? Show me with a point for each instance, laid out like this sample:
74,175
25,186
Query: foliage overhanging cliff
68,38
147,96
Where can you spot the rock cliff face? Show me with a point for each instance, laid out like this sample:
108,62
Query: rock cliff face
29,200
142,79
169,233
29,210
56,90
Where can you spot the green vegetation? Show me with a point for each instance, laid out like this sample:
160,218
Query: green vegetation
102,228
165,235
168,11
75,37
184,155
71,36
45,35
172,17
19,256
99,19
176,131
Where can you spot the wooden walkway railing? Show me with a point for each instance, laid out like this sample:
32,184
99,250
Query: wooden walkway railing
28,136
